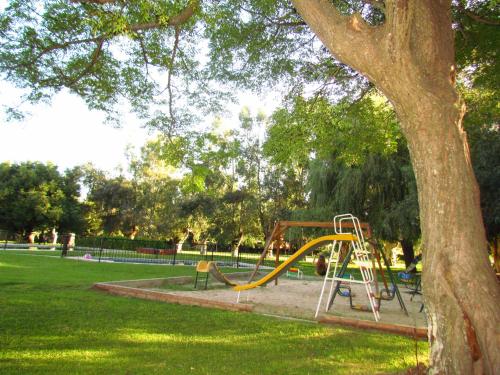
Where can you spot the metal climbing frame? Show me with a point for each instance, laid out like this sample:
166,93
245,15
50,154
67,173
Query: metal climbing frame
361,259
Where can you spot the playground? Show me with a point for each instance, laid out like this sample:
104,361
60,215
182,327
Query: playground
334,297
291,298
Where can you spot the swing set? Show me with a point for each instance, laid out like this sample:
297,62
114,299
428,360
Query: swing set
368,260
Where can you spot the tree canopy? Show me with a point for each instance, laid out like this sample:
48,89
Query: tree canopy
35,196
173,61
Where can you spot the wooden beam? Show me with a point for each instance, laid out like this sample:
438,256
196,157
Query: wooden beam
268,243
319,224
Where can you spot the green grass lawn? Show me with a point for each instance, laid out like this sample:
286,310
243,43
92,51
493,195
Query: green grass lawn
52,322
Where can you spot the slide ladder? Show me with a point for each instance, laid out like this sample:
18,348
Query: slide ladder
361,259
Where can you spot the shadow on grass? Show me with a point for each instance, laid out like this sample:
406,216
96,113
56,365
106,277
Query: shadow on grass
96,334
46,327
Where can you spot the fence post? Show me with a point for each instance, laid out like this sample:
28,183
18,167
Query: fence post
64,250
100,249
175,255
165,258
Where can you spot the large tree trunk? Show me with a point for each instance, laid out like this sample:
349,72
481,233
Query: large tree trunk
411,60
461,292
235,244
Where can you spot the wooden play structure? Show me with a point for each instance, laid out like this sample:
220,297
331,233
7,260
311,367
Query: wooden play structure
276,237
350,235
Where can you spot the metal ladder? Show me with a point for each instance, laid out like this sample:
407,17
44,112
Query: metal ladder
361,259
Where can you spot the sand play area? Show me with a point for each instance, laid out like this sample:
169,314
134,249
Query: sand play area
299,299
291,298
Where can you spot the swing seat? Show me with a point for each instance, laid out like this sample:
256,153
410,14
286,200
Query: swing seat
387,294
294,272
406,277
363,308
345,293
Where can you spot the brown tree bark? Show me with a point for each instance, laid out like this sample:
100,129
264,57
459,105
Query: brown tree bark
235,244
411,60
496,254
31,237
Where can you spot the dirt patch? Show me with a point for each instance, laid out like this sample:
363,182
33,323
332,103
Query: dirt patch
291,298
299,299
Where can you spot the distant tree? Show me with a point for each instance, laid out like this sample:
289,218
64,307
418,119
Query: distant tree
111,203
484,151
72,218
360,163
34,196
381,190
157,181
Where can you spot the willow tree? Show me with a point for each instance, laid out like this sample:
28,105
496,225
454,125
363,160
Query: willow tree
148,52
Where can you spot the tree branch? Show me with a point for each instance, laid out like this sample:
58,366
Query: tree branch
169,80
94,1
281,21
57,46
93,61
69,81
174,21
144,55
287,24
69,43
476,17
344,34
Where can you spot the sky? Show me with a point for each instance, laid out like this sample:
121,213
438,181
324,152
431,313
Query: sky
66,133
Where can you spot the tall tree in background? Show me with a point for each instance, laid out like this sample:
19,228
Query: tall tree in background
485,148
155,175
111,203
480,79
361,164
72,218
404,47
36,197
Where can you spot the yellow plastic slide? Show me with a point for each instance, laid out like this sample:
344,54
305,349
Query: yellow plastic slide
298,255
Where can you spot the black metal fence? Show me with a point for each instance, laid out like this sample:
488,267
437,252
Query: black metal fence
124,250
10,240
4,239
118,249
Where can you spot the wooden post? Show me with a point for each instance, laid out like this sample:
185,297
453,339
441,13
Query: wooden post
277,261
268,243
